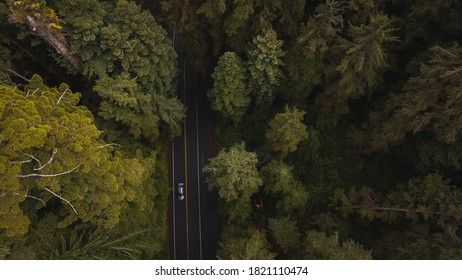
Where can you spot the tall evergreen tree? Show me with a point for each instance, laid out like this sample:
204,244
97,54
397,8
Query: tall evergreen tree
321,29
319,246
132,59
234,173
230,93
265,63
286,130
286,192
251,246
429,101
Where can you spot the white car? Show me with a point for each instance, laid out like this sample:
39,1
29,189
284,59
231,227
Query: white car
180,191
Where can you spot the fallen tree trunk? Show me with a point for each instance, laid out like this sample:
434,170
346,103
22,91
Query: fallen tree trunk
58,45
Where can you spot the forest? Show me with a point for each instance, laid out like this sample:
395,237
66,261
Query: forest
338,126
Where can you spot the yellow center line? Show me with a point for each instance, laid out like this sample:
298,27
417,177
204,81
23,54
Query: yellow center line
185,164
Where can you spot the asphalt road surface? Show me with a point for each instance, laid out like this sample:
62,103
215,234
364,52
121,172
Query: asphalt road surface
195,224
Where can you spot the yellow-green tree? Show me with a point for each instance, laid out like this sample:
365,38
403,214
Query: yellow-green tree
286,130
265,64
51,154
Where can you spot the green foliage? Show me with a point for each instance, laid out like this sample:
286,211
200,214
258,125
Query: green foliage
252,246
429,198
125,102
234,173
5,63
319,246
285,232
286,130
303,74
230,94
279,181
38,9
365,55
51,151
265,63
133,61
428,101
321,29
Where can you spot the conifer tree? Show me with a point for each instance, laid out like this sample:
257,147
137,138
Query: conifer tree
319,246
286,130
253,245
430,198
131,58
233,173
265,63
429,101
279,181
364,55
321,29
285,232
230,95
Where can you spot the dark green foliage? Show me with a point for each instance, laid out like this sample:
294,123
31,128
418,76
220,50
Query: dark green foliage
364,55
132,60
321,29
429,198
285,232
286,192
428,101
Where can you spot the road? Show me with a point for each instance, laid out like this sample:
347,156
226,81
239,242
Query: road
195,224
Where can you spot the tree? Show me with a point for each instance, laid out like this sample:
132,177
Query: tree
285,232
356,63
428,101
430,198
51,151
230,94
132,60
284,188
286,130
265,65
321,29
43,22
253,246
233,172
127,103
365,55
319,246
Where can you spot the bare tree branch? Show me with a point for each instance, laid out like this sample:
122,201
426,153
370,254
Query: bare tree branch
63,199
49,161
48,175
34,158
36,198
32,92
18,75
111,144
59,100
21,162
392,209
